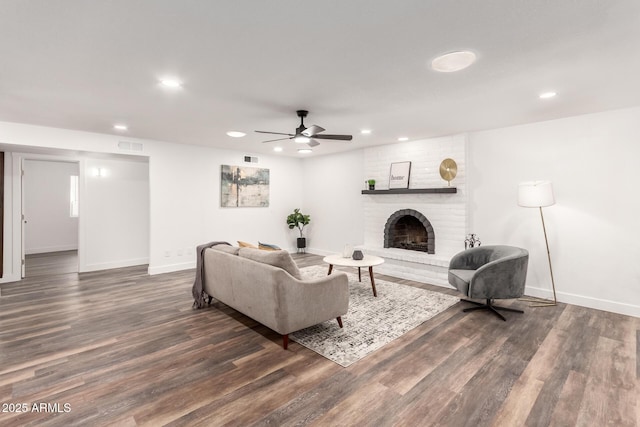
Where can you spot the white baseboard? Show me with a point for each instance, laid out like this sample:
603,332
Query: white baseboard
580,300
565,297
170,268
317,251
44,250
115,264
585,301
8,278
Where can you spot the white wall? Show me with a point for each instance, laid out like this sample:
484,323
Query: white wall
49,227
114,212
184,197
332,186
185,203
592,161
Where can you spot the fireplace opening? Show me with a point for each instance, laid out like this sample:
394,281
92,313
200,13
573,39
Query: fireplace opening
409,229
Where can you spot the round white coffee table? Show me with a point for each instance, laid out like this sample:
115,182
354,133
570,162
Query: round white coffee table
367,261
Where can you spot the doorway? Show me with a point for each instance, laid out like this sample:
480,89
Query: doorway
50,217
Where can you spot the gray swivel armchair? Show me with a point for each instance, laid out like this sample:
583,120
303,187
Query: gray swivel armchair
490,272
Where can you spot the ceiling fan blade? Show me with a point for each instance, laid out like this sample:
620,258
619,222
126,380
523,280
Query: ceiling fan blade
313,143
338,137
275,133
312,130
279,139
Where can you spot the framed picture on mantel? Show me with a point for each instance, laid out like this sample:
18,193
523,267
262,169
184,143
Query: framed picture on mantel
399,176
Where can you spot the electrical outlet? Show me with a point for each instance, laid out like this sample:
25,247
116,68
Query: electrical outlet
180,252
167,253
189,250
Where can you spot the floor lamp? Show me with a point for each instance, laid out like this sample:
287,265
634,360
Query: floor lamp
539,194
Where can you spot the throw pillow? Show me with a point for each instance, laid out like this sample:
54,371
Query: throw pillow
246,245
280,259
268,247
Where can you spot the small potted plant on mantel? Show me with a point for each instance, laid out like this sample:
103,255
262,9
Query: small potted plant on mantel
372,184
299,220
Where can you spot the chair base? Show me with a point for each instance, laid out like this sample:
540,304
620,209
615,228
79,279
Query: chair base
489,306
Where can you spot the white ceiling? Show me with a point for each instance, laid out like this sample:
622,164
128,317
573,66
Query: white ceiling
354,64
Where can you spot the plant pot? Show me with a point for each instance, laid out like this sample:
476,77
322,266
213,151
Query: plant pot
302,242
372,187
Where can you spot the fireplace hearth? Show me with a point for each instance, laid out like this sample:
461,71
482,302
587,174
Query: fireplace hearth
411,230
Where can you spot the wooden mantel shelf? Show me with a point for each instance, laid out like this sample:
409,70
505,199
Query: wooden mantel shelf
439,190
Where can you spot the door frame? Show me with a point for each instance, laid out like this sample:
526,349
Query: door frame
19,160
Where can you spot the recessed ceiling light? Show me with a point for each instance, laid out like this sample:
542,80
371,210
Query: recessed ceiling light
120,127
236,134
304,150
365,131
277,149
171,83
547,95
302,139
403,138
453,61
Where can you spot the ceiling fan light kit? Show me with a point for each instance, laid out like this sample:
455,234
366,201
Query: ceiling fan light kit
236,134
306,135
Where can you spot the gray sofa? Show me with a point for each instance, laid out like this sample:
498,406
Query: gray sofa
267,286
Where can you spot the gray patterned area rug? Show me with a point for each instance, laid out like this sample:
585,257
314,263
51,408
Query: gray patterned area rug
370,322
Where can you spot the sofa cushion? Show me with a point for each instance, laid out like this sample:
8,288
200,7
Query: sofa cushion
233,250
280,259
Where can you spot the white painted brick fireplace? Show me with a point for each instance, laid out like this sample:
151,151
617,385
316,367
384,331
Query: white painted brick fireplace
447,213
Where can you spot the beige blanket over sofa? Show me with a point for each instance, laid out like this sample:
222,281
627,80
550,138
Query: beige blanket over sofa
267,286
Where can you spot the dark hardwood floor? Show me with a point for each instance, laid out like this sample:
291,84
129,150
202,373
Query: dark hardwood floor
120,347
51,263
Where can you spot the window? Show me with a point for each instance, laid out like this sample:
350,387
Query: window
73,199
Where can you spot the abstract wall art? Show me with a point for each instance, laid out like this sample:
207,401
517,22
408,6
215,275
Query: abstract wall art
244,187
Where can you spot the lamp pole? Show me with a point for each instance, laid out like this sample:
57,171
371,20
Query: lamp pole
553,284
537,194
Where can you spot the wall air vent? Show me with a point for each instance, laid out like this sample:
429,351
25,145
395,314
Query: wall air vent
130,146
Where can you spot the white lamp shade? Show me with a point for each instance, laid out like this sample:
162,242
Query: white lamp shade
535,194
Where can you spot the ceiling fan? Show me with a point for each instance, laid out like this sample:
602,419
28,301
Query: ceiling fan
307,135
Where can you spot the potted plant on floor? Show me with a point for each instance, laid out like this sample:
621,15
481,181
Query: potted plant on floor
299,220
